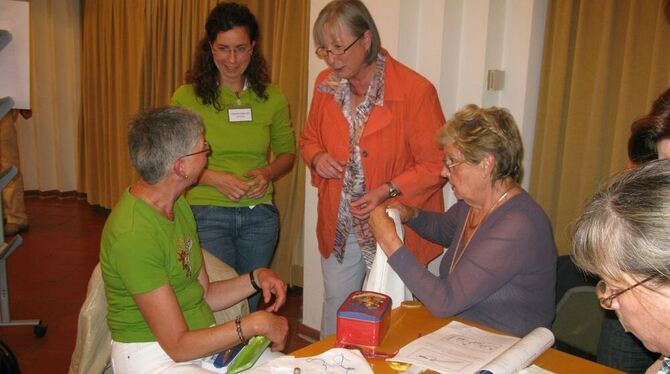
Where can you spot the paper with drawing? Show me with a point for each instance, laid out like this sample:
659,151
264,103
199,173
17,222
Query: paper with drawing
459,348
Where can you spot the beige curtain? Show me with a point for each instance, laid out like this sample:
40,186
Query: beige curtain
604,63
136,54
48,140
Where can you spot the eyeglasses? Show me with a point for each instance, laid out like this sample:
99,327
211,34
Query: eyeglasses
322,52
207,149
237,51
451,165
603,289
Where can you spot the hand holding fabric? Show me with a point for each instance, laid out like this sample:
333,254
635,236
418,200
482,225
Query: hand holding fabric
362,207
383,229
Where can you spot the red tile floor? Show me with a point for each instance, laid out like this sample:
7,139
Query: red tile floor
47,277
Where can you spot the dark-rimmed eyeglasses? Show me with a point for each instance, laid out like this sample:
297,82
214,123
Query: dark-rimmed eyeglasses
322,52
602,288
206,149
451,165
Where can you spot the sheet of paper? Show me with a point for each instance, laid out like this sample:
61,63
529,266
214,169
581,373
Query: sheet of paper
523,353
459,348
333,361
455,348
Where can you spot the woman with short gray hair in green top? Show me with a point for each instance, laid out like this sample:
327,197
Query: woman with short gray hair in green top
159,296
245,117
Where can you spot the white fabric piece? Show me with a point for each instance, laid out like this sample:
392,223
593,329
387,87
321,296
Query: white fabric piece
333,361
382,278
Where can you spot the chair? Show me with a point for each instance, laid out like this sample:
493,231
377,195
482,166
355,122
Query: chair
579,318
93,349
578,313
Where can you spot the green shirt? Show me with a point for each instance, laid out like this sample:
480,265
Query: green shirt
238,147
141,251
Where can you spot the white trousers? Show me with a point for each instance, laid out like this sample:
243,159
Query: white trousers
149,358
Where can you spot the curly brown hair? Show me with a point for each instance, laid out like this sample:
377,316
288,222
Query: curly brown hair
205,76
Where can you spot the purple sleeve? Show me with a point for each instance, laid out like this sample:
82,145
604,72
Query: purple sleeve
438,227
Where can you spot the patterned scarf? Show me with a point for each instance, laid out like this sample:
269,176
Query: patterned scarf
353,183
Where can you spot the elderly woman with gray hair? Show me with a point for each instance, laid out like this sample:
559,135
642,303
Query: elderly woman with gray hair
159,297
623,236
369,137
500,267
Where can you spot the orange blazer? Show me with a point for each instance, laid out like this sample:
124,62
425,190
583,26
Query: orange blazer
398,144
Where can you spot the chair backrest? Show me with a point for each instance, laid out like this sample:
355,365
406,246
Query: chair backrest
579,319
93,349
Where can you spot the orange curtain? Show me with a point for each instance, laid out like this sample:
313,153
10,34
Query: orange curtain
136,53
604,64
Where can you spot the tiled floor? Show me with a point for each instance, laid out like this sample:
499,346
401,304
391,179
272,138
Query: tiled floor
47,278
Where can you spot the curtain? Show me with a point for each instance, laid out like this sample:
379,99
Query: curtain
48,140
604,63
112,55
136,53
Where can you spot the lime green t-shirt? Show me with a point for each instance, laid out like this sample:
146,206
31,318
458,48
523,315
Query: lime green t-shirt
239,146
141,250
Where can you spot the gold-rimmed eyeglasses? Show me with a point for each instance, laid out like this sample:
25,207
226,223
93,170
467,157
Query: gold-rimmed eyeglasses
322,52
602,289
451,165
206,149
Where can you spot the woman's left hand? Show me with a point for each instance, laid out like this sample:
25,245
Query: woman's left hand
259,182
383,228
271,285
362,207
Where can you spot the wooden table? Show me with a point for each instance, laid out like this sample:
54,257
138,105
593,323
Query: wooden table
408,324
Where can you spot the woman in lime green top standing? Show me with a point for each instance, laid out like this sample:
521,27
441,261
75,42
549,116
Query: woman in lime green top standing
245,117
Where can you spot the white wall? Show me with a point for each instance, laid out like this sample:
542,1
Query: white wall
453,43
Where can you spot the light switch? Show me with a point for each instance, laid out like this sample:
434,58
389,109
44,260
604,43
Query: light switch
495,80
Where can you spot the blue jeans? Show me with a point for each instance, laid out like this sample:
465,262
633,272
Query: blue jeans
339,280
243,238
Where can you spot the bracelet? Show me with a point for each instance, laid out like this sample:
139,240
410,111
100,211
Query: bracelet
238,327
253,281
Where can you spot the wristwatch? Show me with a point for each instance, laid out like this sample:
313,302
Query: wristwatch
393,190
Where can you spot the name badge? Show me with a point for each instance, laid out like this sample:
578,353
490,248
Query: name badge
239,114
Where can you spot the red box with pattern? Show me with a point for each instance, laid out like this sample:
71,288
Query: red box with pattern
363,319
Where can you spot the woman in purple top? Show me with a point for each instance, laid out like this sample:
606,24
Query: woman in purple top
500,266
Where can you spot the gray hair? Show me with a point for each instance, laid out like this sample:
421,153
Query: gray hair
355,17
625,228
157,138
478,132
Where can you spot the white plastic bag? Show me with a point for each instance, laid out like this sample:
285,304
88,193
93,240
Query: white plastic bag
382,278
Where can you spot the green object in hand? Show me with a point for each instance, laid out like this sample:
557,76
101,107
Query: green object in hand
249,354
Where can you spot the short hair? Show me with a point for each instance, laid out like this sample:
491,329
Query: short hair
159,137
478,132
642,141
625,228
355,17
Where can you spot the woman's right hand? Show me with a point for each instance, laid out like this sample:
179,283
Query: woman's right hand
227,184
327,166
405,212
272,326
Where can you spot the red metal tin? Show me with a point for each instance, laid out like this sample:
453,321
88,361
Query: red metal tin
363,319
